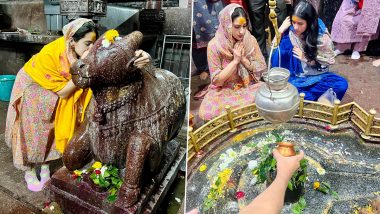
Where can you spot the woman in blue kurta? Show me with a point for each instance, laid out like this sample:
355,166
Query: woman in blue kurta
306,49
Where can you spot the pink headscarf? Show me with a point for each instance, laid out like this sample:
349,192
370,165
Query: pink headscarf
224,34
225,41
68,32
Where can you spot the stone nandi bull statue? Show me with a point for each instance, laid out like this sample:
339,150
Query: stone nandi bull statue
133,114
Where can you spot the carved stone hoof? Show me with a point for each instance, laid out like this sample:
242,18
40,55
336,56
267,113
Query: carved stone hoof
127,196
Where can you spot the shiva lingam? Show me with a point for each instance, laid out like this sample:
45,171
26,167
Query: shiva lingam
297,185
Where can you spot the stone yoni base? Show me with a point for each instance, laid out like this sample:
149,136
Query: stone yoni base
80,197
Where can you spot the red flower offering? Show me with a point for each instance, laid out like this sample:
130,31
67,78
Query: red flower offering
97,171
240,195
327,128
47,204
74,176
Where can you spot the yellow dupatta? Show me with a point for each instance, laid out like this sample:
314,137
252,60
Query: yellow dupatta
50,68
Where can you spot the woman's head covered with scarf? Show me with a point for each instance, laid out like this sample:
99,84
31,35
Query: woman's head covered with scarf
225,36
79,35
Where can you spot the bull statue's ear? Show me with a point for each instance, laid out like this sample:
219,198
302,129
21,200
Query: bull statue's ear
133,40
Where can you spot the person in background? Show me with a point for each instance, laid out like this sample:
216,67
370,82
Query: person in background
205,24
235,62
355,24
258,17
306,50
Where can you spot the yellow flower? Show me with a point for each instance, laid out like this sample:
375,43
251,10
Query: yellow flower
203,167
369,208
316,185
225,174
224,177
97,165
110,35
77,172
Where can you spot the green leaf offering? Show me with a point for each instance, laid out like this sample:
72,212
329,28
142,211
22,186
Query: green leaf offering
298,207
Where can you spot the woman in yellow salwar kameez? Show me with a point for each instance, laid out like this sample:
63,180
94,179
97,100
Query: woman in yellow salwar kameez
45,106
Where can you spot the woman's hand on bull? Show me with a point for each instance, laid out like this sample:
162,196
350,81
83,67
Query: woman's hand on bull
142,60
298,53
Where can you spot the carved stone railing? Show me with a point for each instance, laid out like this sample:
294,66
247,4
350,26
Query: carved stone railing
366,123
83,8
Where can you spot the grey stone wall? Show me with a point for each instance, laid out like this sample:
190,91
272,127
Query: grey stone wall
14,55
178,21
28,15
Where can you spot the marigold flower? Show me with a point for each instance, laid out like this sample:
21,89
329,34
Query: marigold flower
97,165
110,35
203,167
316,185
224,177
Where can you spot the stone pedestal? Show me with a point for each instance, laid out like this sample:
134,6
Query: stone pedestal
80,197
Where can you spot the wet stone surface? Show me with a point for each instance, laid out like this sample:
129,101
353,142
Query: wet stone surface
351,167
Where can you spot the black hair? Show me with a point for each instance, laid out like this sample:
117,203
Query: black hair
238,12
306,10
86,28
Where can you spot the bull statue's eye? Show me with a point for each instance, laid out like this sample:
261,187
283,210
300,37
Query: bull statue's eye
82,65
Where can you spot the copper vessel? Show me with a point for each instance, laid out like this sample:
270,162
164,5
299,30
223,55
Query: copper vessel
286,149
